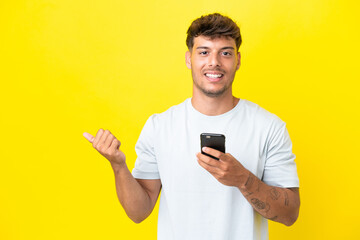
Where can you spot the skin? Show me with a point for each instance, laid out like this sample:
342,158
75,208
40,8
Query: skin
137,196
218,56
274,203
211,96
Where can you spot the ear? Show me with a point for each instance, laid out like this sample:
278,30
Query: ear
239,61
188,59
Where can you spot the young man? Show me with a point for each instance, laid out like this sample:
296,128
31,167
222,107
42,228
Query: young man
204,198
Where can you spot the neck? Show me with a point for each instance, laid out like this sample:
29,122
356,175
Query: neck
213,106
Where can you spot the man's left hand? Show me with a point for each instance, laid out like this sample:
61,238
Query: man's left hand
226,170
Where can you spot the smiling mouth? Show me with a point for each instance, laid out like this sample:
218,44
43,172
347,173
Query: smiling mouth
209,75
214,77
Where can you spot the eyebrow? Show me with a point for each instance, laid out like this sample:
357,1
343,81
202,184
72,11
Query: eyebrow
203,47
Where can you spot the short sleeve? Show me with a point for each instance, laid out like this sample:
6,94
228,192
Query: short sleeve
280,168
146,165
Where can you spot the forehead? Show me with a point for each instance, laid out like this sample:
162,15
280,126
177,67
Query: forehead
214,43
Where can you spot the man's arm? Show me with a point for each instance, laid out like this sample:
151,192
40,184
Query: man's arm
137,196
274,203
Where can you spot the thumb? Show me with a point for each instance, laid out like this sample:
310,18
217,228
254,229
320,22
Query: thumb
88,136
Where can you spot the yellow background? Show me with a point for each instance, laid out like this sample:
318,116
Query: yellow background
73,66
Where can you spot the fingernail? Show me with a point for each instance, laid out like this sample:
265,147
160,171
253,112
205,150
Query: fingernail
204,149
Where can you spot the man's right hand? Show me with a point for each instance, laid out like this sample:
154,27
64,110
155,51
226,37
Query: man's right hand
108,146
137,196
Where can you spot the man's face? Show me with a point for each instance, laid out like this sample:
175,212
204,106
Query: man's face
213,63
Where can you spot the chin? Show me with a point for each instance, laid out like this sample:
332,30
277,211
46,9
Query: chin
213,94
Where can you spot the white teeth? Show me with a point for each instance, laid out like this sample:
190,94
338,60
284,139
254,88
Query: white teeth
213,75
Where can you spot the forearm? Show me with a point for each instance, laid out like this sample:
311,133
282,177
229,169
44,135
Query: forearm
274,203
134,199
137,197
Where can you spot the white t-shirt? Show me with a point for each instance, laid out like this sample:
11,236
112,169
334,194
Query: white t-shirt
193,204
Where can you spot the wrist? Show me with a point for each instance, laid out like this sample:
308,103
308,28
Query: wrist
118,166
246,180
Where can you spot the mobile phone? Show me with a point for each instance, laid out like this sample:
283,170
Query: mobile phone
212,140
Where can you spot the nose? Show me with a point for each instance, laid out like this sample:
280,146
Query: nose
214,60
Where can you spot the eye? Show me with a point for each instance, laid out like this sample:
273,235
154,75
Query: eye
203,53
226,53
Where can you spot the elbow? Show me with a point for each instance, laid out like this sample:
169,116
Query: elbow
137,220
291,219
294,213
137,216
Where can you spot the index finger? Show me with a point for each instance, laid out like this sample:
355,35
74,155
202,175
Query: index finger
213,152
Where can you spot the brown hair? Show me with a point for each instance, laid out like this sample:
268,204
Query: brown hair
213,25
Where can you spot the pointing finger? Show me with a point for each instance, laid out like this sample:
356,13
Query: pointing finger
208,160
108,139
213,152
97,137
103,138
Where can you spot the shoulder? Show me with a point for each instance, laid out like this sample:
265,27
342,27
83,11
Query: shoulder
171,113
260,115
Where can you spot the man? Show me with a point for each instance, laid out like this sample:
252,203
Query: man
204,198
